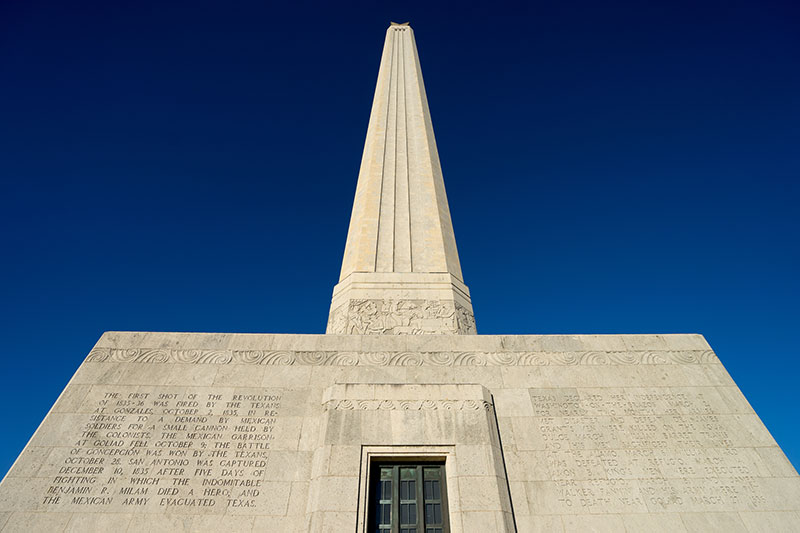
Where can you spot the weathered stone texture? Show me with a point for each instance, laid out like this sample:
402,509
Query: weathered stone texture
541,433
234,432
400,272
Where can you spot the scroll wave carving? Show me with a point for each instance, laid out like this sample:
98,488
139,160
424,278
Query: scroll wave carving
98,355
405,358
220,357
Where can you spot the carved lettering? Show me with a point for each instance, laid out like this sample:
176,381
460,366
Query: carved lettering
168,449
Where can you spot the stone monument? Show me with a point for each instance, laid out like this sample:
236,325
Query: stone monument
401,418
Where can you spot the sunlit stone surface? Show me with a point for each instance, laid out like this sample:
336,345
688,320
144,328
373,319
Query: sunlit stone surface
400,273
236,432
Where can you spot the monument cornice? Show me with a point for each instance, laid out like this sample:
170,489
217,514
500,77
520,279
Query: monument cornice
436,359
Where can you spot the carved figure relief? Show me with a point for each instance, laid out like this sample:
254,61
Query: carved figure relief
401,317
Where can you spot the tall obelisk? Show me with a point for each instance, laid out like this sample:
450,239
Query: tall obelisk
209,432
400,273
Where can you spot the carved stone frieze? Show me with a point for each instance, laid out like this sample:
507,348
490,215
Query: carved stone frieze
401,317
407,405
442,359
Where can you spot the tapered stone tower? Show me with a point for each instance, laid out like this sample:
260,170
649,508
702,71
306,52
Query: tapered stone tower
439,433
400,272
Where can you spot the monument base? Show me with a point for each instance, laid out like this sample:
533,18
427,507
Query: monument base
237,432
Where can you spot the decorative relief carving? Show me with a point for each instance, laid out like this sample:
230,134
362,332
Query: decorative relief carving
465,321
330,358
407,405
203,356
401,317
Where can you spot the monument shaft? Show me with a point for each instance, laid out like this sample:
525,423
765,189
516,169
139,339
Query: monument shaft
400,272
401,418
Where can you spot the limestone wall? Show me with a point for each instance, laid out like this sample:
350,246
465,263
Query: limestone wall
205,432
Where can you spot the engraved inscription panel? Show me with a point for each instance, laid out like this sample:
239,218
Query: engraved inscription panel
637,450
166,449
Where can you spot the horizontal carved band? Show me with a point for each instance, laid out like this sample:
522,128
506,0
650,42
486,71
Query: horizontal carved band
401,317
445,359
407,405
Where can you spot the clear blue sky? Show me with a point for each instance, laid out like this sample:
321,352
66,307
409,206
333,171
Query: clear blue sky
611,168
